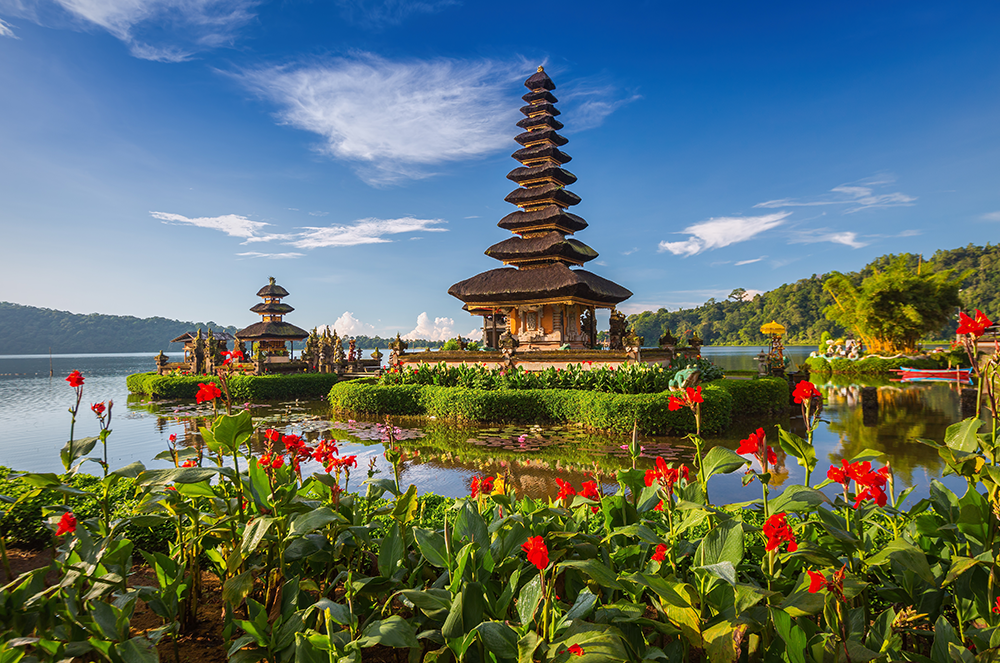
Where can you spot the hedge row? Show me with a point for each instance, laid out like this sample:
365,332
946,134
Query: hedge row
614,412
872,365
250,388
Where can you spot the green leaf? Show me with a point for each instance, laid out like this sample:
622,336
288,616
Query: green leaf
804,453
105,618
528,600
454,624
431,546
944,634
721,460
724,571
75,449
310,521
963,435
598,572
406,506
130,471
232,431
798,499
908,555
391,632
640,531
430,600
138,650
391,552
238,588
176,475
803,603
867,454
794,637
723,543
498,639
583,605
526,646
254,534
959,565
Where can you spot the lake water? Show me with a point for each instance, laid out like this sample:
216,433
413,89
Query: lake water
34,425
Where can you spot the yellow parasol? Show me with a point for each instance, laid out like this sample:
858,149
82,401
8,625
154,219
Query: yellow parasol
772,328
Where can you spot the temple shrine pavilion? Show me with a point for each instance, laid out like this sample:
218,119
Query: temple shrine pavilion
272,332
541,297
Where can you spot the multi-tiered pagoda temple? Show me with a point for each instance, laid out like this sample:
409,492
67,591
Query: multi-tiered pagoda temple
543,299
272,332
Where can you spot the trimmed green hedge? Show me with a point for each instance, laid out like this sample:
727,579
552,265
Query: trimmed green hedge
871,365
752,397
614,412
241,387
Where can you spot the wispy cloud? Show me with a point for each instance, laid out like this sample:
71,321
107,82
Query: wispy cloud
233,225
380,13
271,256
814,237
365,231
6,30
630,251
362,231
992,216
162,30
855,196
593,99
749,262
718,232
399,119
347,325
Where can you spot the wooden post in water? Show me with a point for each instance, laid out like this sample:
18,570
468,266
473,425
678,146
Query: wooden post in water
51,372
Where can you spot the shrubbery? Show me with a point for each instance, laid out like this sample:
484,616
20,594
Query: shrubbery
613,412
241,387
873,365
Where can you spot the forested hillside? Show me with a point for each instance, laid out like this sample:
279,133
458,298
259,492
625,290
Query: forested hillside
31,330
800,306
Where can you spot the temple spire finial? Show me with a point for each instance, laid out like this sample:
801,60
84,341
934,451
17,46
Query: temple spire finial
541,69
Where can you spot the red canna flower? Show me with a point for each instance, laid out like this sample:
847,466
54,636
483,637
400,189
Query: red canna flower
207,392
777,531
75,379
172,438
481,486
565,489
839,474
67,524
805,391
189,463
660,554
537,553
996,608
974,326
694,395
676,404
817,581
234,355
756,444
658,507
576,650
272,435
98,408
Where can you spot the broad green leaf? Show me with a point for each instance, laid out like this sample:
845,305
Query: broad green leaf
722,460
76,449
720,644
498,638
724,571
391,552
310,521
723,543
254,534
138,650
391,632
804,453
959,565
794,637
232,431
238,588
802,603
176,475
867,454
528,600
583,605
597,571
908,555
130,471
406,506
431,546
431,600
963,435
798,499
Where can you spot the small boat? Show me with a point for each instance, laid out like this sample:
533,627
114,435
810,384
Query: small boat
935,374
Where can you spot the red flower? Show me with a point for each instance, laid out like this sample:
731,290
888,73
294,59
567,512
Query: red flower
207,392
75,379
976,327
687,399
189,463
576,650
756,444
658,507
565,489
676,404
817,581
481,486
660,554
234,355
839,474
98,408
996,608
805,391
694,395
67,524
272,435
537,553
172,438
777,531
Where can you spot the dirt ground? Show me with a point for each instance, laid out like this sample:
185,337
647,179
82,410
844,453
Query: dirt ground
205,644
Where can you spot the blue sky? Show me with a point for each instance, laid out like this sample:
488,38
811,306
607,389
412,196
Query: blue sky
164,157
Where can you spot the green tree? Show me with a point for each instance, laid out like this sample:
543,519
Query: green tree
896,305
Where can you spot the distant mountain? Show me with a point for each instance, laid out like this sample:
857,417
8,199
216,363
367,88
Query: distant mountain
32,330
800,306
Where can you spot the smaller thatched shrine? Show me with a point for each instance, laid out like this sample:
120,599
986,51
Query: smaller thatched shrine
272,332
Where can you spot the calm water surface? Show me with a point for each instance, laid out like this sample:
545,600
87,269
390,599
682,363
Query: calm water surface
34,425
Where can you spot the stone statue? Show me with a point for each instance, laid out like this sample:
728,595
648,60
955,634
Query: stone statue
352,352
668,341
616,330
684,378
587,327
199,354
338,350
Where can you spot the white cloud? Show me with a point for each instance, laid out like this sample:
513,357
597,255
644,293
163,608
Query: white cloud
378,13
857,196
318,213
847,238
992,216
630,251
749,262
348,325
364,231
440,329
718,232
233,225
6,30
475,335
271,256
181,27
398,119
